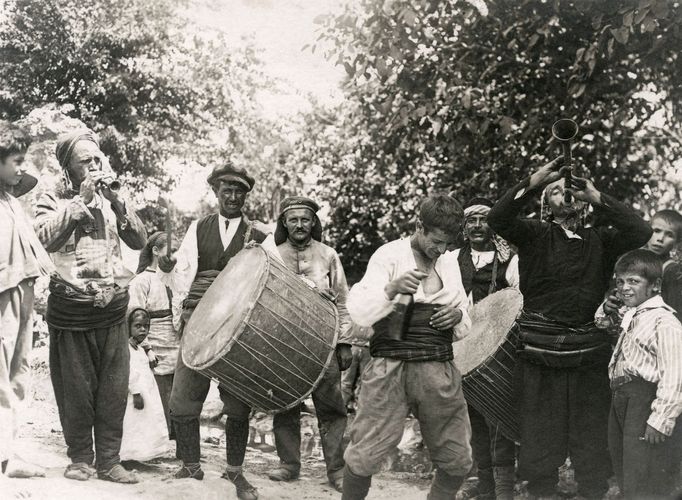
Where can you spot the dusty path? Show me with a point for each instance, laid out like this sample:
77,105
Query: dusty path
42,443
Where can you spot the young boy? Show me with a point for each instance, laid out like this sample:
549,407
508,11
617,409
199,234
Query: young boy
667,233
646,382
22,260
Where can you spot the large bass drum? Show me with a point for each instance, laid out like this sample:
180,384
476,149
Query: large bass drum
487,358
263,333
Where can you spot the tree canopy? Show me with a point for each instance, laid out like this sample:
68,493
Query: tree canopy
461,95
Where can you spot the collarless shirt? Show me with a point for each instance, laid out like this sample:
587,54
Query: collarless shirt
650,347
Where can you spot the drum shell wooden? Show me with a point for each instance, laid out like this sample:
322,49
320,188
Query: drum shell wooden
279,351
490,389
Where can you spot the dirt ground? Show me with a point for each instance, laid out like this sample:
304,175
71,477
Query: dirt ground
406,478
42,443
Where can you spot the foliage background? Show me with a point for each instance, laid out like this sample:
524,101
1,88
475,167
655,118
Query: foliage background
455,95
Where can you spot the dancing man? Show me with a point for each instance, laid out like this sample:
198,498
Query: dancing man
412,366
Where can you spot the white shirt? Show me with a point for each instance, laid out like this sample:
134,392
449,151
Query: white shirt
180,279
367,301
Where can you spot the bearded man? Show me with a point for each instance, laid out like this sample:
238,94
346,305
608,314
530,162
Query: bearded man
564,269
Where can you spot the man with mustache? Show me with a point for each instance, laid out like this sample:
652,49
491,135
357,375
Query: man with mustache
487,264
208,246
562,378
298,236
81,225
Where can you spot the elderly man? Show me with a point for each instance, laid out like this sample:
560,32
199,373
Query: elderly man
412,295
80,225
561,372
298,237
208,246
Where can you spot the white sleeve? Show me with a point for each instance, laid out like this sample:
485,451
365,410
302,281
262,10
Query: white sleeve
181,277
138,288
512,274
367,302
461,301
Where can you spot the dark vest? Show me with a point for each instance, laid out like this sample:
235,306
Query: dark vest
211,254
477,281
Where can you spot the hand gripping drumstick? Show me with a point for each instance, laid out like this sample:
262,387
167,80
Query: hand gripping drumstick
166,203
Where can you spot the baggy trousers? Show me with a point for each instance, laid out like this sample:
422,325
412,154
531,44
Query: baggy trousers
89,371
643,470
188,394
491,448
564,412
16,335
432,390
331,418
165,385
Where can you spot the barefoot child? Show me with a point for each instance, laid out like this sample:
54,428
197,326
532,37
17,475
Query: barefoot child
145,435
645,437
22,260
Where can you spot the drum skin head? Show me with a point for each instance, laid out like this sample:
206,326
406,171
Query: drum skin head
220,315
491,320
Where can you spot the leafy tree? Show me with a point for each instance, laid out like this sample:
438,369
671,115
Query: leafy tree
150,82
461,96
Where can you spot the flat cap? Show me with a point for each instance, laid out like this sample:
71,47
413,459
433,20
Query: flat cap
229,173
293,202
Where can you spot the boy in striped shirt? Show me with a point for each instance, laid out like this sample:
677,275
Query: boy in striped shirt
646,382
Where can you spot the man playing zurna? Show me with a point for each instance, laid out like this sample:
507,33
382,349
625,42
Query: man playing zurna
412,364
81,225
298,236
562,376
208,246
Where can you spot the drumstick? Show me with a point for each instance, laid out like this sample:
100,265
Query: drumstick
164,202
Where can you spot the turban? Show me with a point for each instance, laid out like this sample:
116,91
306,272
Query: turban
230,173
292,203
482,206
66,143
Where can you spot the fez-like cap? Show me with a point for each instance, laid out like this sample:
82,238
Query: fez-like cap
230,173
294,202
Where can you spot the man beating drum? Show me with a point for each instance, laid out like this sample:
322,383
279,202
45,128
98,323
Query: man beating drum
411,366
207,248
298,237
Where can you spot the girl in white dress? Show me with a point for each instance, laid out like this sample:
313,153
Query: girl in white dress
145,435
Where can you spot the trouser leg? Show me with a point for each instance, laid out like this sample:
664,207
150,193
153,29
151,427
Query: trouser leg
236,429
16,336
480,445
74,380
434,391
331,418
165,385
112,393
378,427
188,394
543,425
286,427
589,401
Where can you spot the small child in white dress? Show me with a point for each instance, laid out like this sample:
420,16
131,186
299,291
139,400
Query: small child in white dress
145,435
